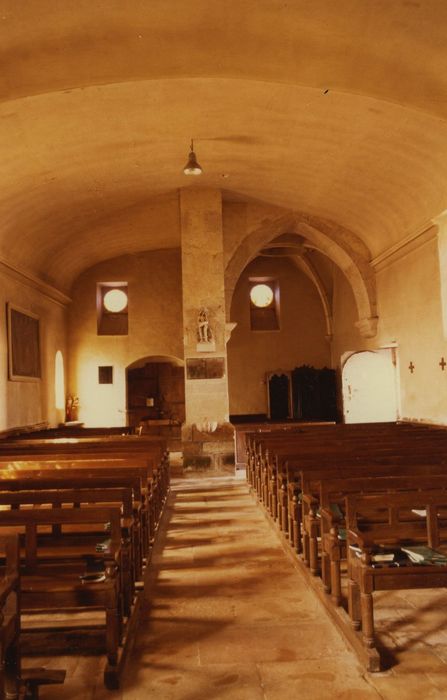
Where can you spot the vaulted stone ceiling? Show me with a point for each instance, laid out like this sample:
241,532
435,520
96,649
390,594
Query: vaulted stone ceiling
336,109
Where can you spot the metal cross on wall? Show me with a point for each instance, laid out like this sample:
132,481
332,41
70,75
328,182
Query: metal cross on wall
443,364
411,367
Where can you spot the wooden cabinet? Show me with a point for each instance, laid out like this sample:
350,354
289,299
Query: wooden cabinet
314,393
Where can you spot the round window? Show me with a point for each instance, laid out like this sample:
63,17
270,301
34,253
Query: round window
115,300
261,295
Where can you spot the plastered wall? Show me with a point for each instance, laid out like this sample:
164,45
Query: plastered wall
155,329
300,340
27,403
410,314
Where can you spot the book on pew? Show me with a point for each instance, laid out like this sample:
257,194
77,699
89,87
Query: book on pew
384,555
420,554
103,546
335,510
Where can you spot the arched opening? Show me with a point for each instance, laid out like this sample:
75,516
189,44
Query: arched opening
369,385
339,245
259,348
156,392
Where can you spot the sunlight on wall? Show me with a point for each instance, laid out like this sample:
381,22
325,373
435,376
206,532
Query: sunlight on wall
369,387
59,382
100,404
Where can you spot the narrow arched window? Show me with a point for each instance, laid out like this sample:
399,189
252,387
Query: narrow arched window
59,381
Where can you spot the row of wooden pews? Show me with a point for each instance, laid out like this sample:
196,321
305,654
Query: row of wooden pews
86,511
348,498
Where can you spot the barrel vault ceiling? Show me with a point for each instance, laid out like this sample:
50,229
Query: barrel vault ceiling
336,109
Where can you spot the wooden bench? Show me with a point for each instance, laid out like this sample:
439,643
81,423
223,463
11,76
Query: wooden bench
148,489
332,526
81,497
55,575
9,618
367,533
14,680
291,476
337,447
305,499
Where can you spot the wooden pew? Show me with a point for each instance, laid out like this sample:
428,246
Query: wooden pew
370,459
153,446
159,474
14,680
135,478
336,445
290,477
366,532
310,484
332,526
51,574
10,668
81,497
141,468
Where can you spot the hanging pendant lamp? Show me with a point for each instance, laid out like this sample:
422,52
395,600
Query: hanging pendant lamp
192,167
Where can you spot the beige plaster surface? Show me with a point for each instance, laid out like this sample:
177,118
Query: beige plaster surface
227,616
155,329
410,316
301,338
323,119
333,109
24,403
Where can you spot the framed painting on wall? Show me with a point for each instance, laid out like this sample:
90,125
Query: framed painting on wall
23,345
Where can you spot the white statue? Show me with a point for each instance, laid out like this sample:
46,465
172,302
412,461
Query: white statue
204,333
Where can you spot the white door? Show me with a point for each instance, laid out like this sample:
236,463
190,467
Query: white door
370,387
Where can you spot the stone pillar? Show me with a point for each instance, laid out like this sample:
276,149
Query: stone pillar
207,435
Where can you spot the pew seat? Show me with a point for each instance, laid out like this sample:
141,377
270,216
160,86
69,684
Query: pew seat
368,534
56,579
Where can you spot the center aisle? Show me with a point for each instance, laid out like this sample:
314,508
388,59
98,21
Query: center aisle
227,616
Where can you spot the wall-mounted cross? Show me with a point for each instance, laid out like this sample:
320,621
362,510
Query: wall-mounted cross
443,364
411,367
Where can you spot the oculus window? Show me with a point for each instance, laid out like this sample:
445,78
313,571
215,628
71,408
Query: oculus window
112,308
261,295
264,304
115,300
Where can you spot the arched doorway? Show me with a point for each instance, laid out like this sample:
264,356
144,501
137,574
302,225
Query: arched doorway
156,391
369,385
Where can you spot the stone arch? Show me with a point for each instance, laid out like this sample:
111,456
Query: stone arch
310,270
149,395
177,361
340,245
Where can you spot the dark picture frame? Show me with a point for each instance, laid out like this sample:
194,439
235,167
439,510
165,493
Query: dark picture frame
205,368
24,362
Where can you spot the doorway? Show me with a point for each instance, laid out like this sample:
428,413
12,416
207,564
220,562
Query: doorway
369,387
156,392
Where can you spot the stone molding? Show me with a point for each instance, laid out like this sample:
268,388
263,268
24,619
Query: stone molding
30,280
410,243
368,326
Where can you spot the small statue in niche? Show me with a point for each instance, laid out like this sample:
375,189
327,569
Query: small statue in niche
204,333
71,408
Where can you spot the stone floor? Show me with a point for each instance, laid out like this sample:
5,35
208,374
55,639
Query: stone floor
228,616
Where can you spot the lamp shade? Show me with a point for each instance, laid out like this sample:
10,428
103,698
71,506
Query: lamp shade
192,167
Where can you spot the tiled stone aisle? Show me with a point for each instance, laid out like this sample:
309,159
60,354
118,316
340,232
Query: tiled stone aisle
228,617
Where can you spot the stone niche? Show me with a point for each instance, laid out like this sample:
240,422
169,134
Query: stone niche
209,447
